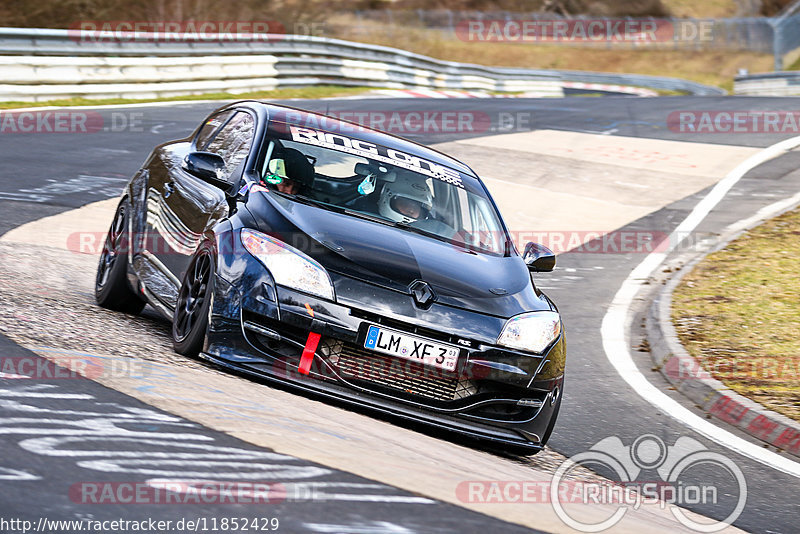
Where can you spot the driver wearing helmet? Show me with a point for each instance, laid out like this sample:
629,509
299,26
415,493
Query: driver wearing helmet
277,176
290,172
406,200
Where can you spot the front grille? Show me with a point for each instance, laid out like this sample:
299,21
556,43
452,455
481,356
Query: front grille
367,367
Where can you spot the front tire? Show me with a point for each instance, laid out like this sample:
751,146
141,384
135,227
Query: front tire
111,289
190,320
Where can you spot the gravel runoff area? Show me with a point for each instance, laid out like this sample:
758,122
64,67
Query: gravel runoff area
737,313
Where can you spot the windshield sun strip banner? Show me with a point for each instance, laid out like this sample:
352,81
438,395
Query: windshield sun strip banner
377,152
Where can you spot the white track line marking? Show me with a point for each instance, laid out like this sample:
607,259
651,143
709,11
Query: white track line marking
617,322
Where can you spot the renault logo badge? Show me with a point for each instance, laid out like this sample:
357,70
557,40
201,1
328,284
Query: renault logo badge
422,293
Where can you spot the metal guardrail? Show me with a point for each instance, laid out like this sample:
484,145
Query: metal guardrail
42,64
786,83
642,80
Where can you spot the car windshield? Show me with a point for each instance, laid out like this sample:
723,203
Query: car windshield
365,180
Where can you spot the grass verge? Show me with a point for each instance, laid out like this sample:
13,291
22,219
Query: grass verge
711,67
705,9
737,312
321,91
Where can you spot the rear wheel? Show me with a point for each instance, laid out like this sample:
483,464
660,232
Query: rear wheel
190,320
111,288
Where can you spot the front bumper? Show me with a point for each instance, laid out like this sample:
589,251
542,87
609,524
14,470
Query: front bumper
494,393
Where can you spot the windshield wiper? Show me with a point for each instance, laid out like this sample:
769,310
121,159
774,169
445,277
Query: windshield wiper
307,200
368,217
338,209
314,202
407,226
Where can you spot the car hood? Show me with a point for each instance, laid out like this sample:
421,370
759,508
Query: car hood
394,258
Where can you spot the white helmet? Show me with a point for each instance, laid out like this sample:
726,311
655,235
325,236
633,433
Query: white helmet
405,200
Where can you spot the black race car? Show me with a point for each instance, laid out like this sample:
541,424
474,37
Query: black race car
344,261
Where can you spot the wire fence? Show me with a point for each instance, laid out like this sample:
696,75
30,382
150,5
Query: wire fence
777,35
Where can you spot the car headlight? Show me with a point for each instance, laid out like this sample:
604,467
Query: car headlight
289,266
532,332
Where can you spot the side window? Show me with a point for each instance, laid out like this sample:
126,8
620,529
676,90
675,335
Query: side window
464,213
478,225
233,142
211,126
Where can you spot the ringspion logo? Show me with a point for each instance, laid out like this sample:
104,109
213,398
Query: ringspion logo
648,471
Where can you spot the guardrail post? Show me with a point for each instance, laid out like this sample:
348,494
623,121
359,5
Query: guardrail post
776,45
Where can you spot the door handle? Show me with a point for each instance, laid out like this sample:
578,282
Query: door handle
169,187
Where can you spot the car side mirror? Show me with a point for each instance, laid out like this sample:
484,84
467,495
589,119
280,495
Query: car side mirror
205,165
539,258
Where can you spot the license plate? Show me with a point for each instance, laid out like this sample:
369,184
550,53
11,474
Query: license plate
388,341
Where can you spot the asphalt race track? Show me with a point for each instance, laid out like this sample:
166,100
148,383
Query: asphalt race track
46,174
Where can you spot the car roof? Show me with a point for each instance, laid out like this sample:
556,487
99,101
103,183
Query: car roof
363,133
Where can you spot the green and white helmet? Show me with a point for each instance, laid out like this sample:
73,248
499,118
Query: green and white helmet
277,171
